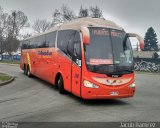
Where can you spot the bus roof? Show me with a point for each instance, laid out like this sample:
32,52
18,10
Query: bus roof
76,24
86,22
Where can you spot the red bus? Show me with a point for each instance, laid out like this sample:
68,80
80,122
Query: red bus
89,57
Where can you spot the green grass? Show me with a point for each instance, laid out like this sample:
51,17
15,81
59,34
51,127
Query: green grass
9,62
4,77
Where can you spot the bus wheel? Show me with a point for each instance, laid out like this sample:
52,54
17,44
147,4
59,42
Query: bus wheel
61,85
28,72
24,70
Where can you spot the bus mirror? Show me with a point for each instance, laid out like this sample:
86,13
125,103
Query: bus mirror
140,39
85,35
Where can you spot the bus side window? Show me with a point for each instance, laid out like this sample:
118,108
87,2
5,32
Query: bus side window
41,42
24,44
27,44
77,46
64,37
32,43
50,39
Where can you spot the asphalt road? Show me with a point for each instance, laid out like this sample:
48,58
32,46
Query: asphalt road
31,99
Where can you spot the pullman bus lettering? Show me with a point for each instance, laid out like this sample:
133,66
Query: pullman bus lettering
89,57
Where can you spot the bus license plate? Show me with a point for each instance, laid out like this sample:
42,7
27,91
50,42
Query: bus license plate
114,93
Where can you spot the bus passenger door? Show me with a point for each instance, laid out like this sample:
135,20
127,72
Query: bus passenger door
76,66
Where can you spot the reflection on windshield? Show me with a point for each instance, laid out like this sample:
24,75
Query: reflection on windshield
109,51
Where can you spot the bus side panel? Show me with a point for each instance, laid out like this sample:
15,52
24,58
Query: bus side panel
76,79
33,60
64,64
49,66
22,60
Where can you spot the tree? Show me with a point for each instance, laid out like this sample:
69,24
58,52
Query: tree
16,21
155,55
24,36
150,40
10,26
40,26
11,45
3,25
83,12
63,14
57,17
96,12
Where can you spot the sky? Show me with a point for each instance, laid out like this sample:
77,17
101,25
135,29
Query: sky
133,15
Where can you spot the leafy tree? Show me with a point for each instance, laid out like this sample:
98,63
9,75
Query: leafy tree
150,40
96,12
40,26
83,12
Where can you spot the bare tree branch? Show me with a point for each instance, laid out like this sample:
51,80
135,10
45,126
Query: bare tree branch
40,26
3,25
63,14
16,21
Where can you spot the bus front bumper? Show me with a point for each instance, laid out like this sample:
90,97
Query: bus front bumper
107,93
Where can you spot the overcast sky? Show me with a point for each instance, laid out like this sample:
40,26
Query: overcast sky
133,15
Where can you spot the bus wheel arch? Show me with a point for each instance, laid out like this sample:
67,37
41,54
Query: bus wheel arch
59,83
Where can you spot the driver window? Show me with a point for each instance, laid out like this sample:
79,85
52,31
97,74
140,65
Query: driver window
77,46
127,51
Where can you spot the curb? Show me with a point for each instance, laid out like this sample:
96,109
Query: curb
7,82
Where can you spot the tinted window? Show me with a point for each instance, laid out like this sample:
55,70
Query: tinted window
63,38
108,52
77,46
25,44
32,43
121,48
99,51
50,39
43,41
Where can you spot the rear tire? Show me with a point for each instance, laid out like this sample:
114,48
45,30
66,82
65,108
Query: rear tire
60,84
24,70
28,72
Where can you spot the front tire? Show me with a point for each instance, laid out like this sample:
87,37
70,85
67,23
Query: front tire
61,85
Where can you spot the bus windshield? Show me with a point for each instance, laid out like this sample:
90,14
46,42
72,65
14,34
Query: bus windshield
109,51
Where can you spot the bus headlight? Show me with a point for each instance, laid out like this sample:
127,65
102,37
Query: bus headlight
132,85
89,84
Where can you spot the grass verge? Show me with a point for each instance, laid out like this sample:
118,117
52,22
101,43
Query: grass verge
4,77
9,62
